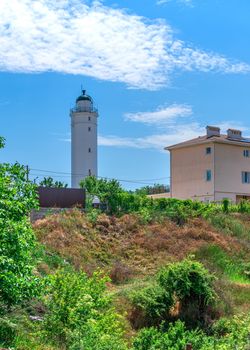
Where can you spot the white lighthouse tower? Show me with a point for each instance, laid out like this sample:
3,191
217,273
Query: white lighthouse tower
83,139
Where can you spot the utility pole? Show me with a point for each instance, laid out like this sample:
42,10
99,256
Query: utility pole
27,173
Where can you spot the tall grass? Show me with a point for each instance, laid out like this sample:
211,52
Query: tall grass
229,225
232,267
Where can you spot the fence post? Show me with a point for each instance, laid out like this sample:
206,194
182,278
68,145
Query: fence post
189,347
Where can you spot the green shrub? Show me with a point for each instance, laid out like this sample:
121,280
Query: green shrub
174,337
225,205
80,315
189,281
227,334
154,301
178,214
93,214
230,333
8,331
145,215
244,206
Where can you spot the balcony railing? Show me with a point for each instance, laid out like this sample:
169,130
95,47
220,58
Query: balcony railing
84,109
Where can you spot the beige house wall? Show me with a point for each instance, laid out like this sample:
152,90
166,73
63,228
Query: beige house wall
188,172
229,165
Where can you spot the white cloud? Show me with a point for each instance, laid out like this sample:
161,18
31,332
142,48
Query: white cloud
186,2
161,116
176,129
156,141
69,36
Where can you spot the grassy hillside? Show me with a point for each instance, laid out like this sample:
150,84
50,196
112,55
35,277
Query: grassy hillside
131,251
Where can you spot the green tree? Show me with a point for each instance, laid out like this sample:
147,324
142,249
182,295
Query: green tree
17,241
156,188
108,191
49,182
2,142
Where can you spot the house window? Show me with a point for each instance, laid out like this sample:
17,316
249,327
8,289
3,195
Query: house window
89,172
246,153
245,177
208,150
89,128
89,150
208,175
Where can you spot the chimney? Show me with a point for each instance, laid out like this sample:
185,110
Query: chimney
234,134
213,131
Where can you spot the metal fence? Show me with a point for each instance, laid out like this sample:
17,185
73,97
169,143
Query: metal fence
61,197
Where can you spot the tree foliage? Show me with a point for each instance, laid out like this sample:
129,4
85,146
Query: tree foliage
2,142
108,191
49,182
155,189
17,241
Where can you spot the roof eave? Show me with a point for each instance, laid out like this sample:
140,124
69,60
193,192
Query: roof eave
229,142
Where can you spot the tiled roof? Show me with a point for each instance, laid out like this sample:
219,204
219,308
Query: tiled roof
211,139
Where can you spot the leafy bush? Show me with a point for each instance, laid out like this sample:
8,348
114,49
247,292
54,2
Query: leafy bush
174,337
244,206
229,333
92,215
186,282
80,313
154,302
178,214
226,334
8,331
189,281
17,241
225,205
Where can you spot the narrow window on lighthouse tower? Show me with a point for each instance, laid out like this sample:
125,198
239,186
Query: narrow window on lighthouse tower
89,128
89,150
89,119
89,172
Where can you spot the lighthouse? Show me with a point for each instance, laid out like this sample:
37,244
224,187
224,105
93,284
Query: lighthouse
83,139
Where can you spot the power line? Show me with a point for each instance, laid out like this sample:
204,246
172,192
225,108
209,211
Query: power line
103,177
141,182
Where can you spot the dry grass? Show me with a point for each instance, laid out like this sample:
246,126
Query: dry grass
131,253
136,248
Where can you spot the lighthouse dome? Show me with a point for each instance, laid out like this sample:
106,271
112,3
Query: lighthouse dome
84,97
84,102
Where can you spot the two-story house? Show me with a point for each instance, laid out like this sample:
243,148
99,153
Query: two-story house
211,167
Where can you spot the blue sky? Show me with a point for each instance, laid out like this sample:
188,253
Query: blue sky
159,72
